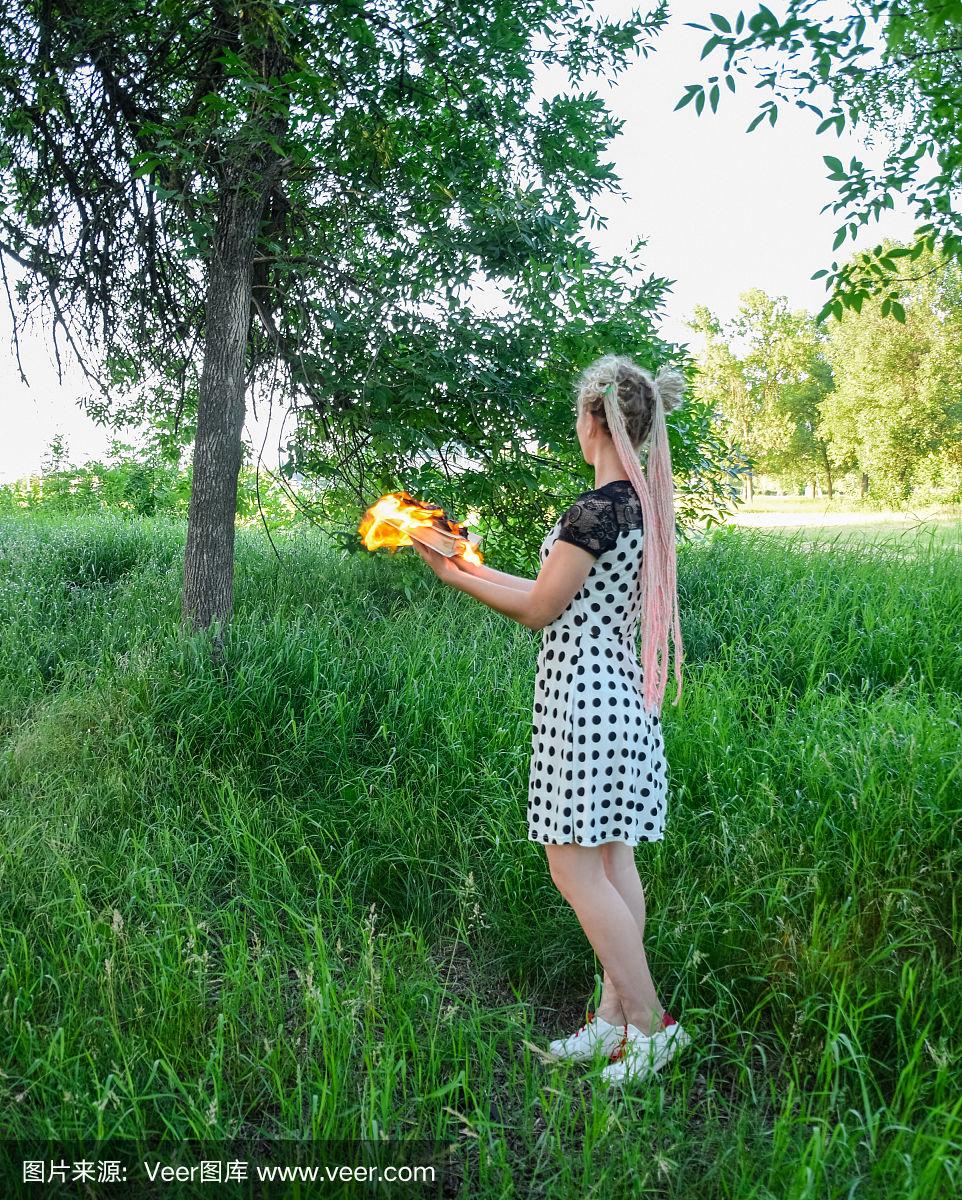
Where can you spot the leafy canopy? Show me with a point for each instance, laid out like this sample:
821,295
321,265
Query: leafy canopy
407,161
896,67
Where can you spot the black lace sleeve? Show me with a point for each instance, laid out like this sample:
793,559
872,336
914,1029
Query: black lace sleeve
591,524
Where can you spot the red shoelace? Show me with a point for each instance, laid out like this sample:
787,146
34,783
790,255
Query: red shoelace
591,1017
666,1021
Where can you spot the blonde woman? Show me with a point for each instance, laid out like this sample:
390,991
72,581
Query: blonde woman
598,777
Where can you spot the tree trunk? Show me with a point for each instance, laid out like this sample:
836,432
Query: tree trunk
208,592
864,492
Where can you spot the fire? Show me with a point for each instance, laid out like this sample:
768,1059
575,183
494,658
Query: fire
390,521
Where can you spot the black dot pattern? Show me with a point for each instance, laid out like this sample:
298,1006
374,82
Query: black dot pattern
598,771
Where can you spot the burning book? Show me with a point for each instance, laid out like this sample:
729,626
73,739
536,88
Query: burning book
397,517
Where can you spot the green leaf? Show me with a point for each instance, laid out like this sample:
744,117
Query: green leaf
713,98
839,238
721,22
898,312
834,165
691,90
709,46
763,17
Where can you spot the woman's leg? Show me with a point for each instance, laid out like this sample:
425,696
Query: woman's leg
611,927
622,869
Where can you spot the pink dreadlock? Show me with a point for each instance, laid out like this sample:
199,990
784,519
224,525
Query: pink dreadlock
659,586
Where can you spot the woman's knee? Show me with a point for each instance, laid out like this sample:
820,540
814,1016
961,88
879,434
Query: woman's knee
575,868
618,859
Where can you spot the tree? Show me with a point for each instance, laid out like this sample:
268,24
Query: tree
295,195
720,384
912,95
57,455
897,400
766,373
142,142
809,451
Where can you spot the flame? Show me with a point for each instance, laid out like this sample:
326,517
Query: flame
388,520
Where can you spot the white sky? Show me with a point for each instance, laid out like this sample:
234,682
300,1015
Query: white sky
723,210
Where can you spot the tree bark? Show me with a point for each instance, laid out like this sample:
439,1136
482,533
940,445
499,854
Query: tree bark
864,485
209,556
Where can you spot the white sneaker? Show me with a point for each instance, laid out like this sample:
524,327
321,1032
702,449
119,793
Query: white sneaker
639,1055
596,1037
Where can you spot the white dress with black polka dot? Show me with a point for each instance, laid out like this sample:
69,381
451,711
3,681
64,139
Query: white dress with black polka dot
598,771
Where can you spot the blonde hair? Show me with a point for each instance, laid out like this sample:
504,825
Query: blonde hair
631,404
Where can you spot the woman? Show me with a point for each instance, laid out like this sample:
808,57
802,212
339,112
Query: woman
597,777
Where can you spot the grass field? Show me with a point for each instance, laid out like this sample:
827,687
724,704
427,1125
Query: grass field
817,524
295,897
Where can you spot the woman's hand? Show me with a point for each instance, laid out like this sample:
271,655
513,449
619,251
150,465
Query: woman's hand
462,564
445,568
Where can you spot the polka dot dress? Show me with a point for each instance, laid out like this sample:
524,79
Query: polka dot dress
598,771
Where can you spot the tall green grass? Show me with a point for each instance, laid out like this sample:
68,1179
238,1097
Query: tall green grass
294,894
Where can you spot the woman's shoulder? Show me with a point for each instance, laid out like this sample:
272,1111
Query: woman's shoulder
613,491
618,497
590,522
598,517
592,505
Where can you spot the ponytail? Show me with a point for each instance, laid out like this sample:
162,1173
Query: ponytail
659,586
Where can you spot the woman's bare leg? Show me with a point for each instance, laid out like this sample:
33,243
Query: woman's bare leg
611,927
622,869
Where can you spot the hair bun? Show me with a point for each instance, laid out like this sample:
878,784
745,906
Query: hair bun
670,383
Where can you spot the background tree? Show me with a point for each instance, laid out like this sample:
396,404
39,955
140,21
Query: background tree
284,200
765,372
809,454
894,66
57,455
897,405
779,349
721,385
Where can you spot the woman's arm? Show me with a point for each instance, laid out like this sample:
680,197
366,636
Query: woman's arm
510,601
481,571
561,576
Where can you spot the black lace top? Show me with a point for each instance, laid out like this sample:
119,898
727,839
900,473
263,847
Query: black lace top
596,518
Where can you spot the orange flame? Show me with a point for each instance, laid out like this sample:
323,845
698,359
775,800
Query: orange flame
389,520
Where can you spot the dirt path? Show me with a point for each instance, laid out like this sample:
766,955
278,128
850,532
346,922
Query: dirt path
763,519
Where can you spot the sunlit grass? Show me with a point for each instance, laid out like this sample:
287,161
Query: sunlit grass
296,895
819,524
